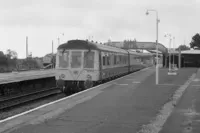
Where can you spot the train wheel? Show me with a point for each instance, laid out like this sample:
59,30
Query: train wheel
88,84
60,84
78,89
66,90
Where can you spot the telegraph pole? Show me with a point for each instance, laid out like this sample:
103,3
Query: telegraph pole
179,60
52,47
173,51
26,46
52,55
58,41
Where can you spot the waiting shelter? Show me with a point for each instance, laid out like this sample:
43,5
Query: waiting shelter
191,58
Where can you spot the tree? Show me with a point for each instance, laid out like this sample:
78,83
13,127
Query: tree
3,58
1,53
10,54
195,43
183,47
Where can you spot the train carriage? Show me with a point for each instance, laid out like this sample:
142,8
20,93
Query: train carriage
140,60
80,64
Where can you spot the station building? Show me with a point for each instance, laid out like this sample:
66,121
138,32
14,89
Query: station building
189,58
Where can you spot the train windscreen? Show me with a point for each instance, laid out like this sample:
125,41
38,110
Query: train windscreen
76,59
64,59
88,59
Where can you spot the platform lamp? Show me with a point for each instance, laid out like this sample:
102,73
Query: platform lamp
173,50
58,41
59,38
157,21
170,38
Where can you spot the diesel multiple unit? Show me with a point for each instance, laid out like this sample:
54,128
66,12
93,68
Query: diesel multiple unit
80,64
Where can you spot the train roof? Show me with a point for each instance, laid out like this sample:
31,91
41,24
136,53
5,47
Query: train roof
84,44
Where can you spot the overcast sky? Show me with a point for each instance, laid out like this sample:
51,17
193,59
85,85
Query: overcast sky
45,20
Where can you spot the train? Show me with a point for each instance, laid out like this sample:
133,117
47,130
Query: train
81,64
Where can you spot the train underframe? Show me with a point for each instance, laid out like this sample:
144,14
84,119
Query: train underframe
74,86
69,86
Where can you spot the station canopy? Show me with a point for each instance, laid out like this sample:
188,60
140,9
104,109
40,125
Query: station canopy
191,52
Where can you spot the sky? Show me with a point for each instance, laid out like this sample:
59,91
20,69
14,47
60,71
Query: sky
43,21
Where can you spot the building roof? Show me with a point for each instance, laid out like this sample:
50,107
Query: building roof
191,52
141,45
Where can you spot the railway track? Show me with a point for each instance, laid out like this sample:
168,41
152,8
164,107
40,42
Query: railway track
9,102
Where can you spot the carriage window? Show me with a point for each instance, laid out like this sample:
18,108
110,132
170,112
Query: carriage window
104,60
63,59
120,59
112,59
88,59
76,59
115,59
127,60
108,59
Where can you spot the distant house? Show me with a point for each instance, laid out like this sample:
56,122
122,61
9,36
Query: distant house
49,59
39,61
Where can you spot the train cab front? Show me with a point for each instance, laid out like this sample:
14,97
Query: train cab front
75,70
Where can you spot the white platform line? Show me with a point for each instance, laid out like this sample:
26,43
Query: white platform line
196,80
166,84
196,85
136,82
120,84
129,79
42,106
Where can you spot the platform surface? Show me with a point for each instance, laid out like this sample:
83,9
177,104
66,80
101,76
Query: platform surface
185,117
121,106
25,75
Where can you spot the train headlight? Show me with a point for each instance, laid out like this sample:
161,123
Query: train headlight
62,76
89,77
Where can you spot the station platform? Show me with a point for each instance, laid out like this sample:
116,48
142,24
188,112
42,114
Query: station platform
185,118
25,75
126,105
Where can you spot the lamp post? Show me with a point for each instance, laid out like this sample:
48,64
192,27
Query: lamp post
59,38
170,38
58,41
173,50
157,21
